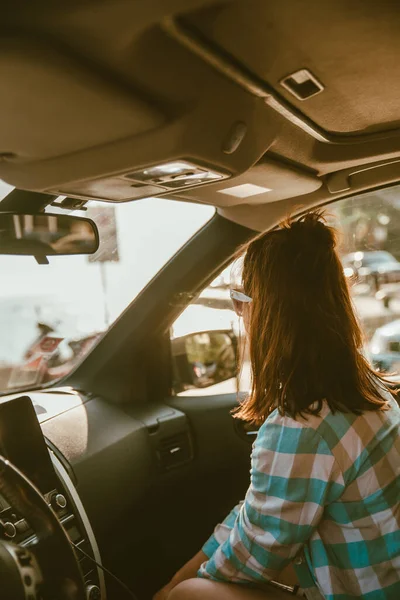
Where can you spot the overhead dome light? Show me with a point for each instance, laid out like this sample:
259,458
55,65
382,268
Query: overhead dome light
245,190
174,174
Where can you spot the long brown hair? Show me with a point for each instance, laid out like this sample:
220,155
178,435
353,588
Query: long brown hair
305,341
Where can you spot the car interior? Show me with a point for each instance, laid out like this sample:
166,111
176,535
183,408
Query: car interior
243,112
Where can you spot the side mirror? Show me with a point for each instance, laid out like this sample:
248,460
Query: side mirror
46,234
204,359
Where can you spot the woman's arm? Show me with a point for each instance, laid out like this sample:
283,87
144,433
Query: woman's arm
191,568
221,532
293,476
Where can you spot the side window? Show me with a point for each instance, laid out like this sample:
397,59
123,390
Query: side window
369,227
208,336
206,342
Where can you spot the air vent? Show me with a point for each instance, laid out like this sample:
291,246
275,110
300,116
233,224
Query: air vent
302,84
174,451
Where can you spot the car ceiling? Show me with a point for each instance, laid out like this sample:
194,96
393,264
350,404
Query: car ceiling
92,91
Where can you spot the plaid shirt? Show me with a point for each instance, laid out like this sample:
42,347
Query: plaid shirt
324,492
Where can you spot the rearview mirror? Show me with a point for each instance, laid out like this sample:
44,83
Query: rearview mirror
46,234
203,359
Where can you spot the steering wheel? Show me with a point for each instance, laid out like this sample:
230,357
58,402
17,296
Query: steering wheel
48,569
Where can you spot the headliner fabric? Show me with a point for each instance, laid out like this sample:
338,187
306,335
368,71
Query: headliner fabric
353,48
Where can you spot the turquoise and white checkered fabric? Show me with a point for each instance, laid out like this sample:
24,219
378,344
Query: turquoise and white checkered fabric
325,487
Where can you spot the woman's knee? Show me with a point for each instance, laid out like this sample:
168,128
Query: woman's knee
193,589
204,589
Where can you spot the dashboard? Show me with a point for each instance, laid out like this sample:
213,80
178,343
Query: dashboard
112,465
108,449
80,452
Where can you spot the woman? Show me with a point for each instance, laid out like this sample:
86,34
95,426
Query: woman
325,477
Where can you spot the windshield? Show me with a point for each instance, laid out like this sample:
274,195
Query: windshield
52,315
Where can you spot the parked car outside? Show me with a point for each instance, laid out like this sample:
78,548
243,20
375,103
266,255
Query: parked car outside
375,267
384,348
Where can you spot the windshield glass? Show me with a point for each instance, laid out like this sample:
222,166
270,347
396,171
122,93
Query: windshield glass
52,315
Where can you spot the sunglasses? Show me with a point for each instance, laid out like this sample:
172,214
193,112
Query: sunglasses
239,299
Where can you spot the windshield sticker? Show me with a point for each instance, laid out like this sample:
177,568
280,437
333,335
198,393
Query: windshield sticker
46,346
34,370
29,374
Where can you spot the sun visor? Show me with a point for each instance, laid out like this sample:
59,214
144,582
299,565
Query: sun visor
52,104
87,137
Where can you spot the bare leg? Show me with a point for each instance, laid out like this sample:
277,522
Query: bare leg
204,589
